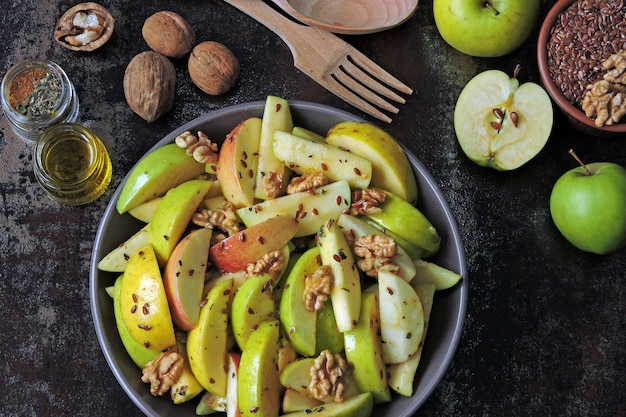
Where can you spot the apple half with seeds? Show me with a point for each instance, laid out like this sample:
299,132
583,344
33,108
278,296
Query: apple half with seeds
501,124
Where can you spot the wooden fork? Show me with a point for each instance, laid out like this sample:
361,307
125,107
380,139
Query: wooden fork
332,62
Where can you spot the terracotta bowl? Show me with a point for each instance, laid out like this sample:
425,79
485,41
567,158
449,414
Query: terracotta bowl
574,114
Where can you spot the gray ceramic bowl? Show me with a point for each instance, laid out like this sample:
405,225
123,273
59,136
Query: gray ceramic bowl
448,311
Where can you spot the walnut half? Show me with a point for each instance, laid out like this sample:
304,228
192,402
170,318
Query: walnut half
328,377
163,371
84,27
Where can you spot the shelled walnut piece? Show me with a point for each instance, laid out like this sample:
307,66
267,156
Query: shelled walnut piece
84,27
328,377
163,371
606,99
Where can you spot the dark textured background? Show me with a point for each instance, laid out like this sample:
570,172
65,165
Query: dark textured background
545,329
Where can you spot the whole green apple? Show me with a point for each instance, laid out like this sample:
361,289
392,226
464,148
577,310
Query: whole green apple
588,206
485,28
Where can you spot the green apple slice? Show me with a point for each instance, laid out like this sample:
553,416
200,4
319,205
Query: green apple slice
346,292
160,170
145,211
327,337
305,156
398,218
391,168
297,401
298,323
173,215
500,123
402,375
357,406
259,388
431,273
401,317
207,342
253,304
297,376
276,117
310,209
364,353
117,259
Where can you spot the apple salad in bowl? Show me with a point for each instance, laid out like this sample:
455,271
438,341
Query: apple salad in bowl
279,271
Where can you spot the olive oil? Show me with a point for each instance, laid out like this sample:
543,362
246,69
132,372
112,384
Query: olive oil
72,164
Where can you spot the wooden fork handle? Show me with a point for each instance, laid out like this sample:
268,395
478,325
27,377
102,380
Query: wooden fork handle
270,18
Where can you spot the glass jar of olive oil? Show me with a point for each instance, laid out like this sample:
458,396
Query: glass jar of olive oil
72,164
36,94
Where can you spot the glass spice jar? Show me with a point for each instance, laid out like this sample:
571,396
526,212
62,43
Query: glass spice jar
72,164
36,94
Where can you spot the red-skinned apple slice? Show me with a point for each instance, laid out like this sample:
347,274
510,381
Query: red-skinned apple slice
184,277
500,123
237,163
232,407
235,252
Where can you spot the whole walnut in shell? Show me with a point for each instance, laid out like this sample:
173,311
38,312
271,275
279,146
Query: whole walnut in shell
213,68
150,85
169,34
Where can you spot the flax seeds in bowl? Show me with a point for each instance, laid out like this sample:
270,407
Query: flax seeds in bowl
575,40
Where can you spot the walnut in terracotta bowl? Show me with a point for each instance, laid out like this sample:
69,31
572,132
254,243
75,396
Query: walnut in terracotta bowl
84,27
582,63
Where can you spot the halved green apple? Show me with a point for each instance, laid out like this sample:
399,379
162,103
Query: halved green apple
500,123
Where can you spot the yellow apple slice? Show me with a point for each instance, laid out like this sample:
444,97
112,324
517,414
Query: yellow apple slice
140,354
346,293
500,123
173,215
186,386
276,117
391,168
160,170
117,259
145,211
183,277
143,302
237,251
237,163
305,156
207,342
